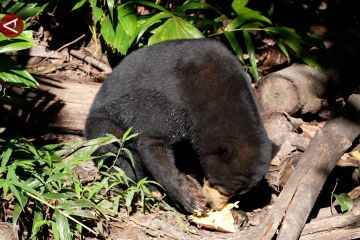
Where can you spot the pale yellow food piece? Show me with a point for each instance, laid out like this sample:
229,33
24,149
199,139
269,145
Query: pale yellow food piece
217,220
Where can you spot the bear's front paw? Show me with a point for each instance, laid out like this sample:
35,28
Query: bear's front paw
194,201
240,217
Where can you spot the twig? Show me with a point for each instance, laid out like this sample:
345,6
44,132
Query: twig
61,212
332,196
93,61
68,44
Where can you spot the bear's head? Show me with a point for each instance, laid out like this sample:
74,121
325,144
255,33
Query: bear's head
234,167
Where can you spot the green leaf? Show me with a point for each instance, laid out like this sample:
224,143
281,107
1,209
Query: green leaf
55,230
21,42
82,213
97,13
345,202
116,203
31,9
174,28
37,227
16,214
129,198
21,198
54,196
98,186
238,4
110,4
235,45
283,49
130,156
244,15
107,30
251,51
7,153
127,19
23,186
13,73
126,136
63,226
290,38
150,22
79,4
196,6
286,33
122,41
107,139
79,203
85,151
38,221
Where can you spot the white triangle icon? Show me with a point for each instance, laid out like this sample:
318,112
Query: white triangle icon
12,22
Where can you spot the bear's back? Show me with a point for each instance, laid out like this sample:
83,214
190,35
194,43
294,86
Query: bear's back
168,67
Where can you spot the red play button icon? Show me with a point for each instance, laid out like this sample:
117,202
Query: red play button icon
11,25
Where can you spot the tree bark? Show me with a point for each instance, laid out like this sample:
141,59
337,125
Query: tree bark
297,88
300,192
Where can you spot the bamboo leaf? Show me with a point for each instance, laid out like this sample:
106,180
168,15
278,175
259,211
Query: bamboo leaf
13,73
63,226
55,230
251,51
238,4
79,4
196,6
16,214
235,45
21,42
7,153
129,198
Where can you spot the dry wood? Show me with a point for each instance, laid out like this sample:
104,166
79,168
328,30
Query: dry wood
72,100
341,226
93,61
278,95
61,105
300,192
295,88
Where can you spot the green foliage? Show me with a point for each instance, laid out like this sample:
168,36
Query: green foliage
23,8
43,180
123,26
10,72
345,202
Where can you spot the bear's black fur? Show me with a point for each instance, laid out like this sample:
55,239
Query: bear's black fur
192,91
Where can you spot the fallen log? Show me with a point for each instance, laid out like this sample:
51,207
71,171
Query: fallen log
297,88
76,98
340,226
301,190
59,105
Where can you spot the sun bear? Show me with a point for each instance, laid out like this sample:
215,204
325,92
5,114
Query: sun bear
185,91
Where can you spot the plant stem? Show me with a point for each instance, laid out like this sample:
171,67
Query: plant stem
61,212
